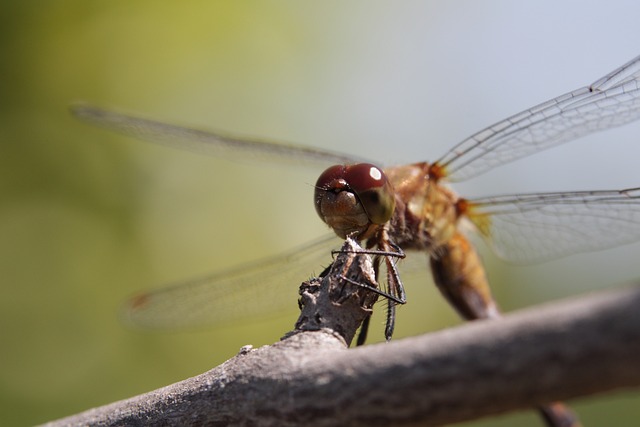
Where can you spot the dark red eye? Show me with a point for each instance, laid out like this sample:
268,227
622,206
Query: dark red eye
369,184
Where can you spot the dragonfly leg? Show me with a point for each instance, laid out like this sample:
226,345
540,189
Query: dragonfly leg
394,283
394,294
364,330
390,324
460,277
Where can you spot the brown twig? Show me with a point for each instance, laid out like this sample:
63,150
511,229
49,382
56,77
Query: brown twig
554,352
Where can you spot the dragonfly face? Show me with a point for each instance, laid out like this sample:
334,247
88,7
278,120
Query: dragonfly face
354,200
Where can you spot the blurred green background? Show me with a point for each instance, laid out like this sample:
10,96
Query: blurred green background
88,217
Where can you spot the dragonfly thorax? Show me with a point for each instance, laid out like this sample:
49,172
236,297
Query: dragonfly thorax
426,214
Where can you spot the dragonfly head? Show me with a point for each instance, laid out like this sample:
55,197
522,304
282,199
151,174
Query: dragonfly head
354,199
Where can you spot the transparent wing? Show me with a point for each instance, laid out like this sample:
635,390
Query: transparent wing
249,292
536,227
611,101
207,142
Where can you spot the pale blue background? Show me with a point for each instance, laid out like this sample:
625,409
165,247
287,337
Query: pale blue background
88,217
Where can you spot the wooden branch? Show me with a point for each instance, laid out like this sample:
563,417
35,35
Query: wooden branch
558,351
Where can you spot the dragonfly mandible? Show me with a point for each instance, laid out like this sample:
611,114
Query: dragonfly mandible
411,208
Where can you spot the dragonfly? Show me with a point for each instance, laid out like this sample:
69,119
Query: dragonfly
422,212
411,208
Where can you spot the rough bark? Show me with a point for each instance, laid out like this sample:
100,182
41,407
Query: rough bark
558,351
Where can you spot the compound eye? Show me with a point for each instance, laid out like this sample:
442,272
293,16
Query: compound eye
332,180
373,189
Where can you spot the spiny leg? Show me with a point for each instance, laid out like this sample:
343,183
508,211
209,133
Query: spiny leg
395,293
394,284
364,329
